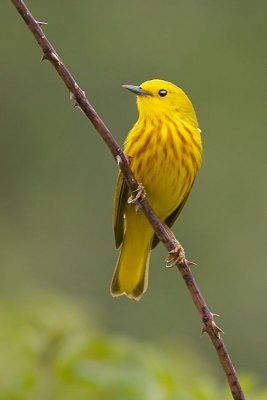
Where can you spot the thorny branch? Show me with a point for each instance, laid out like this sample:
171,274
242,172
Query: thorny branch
209,326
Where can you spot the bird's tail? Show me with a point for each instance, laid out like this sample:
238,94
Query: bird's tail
131,273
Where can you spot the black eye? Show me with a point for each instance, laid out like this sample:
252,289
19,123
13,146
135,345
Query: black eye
162,92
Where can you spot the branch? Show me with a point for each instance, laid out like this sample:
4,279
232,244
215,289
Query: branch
163,234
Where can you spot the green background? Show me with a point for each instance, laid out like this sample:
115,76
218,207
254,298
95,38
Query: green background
57,177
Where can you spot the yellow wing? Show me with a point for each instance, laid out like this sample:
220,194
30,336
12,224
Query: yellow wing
120,199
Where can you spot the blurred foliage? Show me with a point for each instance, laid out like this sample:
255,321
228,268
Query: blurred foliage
51,349
57,177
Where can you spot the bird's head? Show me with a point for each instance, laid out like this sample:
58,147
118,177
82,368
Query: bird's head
156,98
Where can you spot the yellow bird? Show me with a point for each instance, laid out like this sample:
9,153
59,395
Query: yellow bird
165,152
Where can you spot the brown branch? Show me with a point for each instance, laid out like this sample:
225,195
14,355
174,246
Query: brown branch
165,236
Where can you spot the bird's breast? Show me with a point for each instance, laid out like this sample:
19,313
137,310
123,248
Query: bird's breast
165,162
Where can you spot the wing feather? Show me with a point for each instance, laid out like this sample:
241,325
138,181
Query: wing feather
120,199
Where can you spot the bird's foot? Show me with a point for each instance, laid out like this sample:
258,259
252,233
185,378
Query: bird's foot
215,328
138,195
175,256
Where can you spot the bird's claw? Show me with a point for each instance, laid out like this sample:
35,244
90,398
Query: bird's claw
191,263
138,194
175,256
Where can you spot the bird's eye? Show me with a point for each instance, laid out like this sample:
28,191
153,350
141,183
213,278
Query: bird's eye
162,92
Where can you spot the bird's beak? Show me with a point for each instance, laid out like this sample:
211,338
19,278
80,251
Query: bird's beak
136,90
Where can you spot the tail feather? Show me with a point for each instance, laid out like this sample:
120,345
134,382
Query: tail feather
131,273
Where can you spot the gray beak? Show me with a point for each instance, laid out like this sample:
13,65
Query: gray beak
136,90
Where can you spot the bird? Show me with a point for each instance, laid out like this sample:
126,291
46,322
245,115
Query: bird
164,150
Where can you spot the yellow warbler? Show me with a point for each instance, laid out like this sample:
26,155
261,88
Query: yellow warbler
165,153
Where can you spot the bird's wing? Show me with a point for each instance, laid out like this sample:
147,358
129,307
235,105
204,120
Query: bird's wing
120,199
169,221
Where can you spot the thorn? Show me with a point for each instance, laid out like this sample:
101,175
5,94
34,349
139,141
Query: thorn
44,57
76,105
41,23
203,329
215,328
48,55
118,159
72,97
